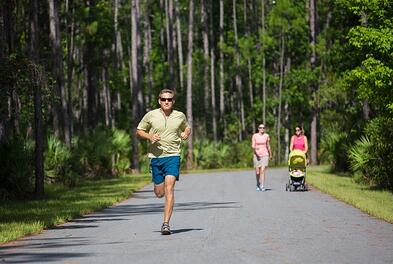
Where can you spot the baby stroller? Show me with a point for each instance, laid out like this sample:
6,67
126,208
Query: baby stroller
297,171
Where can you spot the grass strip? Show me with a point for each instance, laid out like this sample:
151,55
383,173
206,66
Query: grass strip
61,204
371,200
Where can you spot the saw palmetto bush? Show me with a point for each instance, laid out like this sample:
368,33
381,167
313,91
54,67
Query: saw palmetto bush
104,152
371,157
334,150
360,157
61,165
210,155
215,155
121,142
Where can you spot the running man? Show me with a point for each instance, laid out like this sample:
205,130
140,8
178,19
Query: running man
165,128
262,154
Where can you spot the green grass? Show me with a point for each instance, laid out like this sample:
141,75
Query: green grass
376,202
18,219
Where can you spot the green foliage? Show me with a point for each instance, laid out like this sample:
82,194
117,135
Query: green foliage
59,164
372,156
16,169
210,155
374,81
360,157
103,152
121,142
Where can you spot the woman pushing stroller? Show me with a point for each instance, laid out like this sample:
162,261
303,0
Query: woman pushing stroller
297,161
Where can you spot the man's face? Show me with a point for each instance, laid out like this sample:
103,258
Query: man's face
166,101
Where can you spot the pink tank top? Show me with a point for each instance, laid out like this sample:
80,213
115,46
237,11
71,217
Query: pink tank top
259,143
298,143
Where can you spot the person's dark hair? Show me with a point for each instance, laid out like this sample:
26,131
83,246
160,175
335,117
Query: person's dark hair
167,91
301,129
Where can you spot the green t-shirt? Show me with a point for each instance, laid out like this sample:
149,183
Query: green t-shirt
168,128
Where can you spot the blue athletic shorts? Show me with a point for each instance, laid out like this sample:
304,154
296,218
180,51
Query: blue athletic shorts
161,167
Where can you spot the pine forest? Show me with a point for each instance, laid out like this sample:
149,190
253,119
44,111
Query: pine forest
77,76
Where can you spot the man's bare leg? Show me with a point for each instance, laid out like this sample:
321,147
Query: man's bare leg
159,190
169,197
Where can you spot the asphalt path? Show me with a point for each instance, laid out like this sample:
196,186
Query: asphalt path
218,218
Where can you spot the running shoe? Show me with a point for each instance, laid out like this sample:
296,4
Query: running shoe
258,189
165,230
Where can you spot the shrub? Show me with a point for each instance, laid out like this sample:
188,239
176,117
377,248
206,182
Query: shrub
59,163
210,155
104,152
242,154
372,155
360,158
121,142
334,148
16,169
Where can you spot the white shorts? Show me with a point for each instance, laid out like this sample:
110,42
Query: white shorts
262,162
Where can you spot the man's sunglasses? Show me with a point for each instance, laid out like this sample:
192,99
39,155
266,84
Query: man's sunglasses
166,99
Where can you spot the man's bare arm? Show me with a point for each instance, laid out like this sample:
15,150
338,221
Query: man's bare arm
152,137
186,133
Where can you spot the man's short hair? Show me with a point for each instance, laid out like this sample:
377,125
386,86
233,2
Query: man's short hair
167,91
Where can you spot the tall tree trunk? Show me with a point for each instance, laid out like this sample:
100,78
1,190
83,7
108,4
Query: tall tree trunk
6,35
136,87
237,77
249,69
179,45
34,56
118,58
169,36
84,102
56,59
10,123
263,67
286,135
57,68
120,64
286,106
7,45
90,57
189,81
366,106
314,86
222,81
162,33
70,59
146,57
212,78
205,37
282,53
106,95
3,40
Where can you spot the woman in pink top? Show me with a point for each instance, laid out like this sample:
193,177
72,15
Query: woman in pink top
299,140
262,153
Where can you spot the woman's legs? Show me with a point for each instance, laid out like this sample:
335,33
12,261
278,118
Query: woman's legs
257,176
262,176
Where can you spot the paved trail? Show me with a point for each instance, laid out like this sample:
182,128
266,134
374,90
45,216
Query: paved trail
218,218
